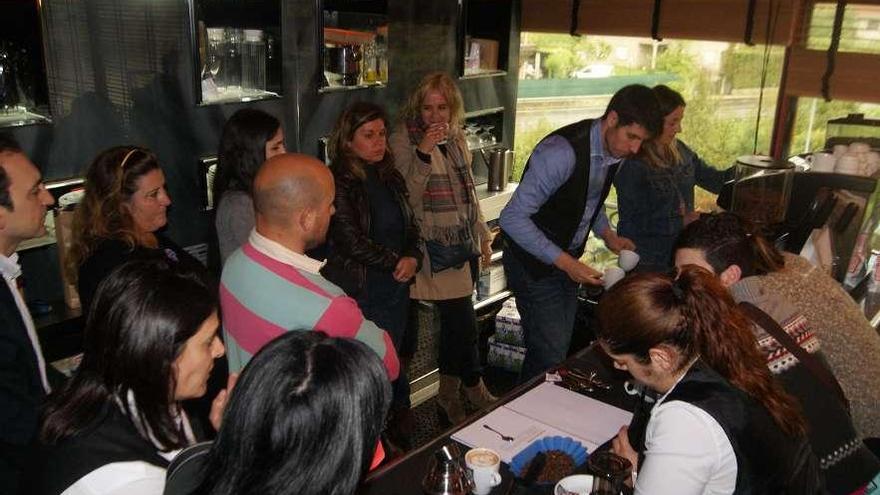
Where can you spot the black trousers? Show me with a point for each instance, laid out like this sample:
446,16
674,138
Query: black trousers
459,354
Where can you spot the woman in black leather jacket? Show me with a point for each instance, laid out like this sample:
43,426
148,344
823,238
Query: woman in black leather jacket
374,245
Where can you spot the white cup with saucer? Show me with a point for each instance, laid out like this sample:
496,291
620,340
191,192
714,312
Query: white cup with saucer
579,484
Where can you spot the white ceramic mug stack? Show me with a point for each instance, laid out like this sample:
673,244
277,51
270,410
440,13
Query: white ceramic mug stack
484,465
823,162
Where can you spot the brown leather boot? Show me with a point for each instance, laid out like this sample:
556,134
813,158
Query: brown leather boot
479,395
449,398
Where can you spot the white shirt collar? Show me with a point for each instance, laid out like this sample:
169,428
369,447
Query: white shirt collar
280,253
9,266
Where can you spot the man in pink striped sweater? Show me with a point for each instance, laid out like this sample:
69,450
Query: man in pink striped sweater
269,286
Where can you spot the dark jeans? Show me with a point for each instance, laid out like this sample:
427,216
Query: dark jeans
459,355
385,302
547,308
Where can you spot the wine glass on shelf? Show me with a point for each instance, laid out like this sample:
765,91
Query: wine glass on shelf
487,138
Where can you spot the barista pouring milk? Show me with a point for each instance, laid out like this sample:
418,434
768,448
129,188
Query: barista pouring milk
559,200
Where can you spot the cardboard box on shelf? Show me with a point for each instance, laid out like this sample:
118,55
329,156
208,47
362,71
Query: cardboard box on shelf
508,329
491,281
488,53
506,356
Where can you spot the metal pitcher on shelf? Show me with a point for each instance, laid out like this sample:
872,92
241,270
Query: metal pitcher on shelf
499,161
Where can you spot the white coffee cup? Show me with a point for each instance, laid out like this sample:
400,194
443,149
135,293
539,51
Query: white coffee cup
823,162
612,275
484,465
581,484
627,259
839,150
859,148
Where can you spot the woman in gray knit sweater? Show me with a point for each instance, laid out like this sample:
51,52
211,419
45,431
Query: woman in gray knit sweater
755,272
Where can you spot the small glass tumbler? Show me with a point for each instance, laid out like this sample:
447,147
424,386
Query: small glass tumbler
610,472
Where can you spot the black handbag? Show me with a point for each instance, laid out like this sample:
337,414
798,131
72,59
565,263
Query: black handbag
443,256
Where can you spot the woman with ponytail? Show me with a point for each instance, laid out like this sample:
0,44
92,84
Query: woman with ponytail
751,269
721,423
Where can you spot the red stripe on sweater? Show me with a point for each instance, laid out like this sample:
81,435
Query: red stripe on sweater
249,330
283,270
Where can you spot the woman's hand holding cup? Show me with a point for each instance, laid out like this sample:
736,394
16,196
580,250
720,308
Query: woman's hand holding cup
436,133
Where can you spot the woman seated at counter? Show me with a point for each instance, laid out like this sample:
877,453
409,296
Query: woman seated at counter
250,137
373,238
150,343
304,419
655,190
721,244
431,153
119,218
721,423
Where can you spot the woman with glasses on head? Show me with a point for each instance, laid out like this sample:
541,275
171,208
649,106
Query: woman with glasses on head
150,343
120,218
721,423
250,137
374,245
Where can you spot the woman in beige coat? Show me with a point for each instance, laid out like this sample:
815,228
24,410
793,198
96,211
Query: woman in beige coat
431,154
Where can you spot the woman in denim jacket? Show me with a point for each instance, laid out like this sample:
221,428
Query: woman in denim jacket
655,190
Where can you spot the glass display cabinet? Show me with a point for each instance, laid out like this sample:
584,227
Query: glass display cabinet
353,44
484,37
24,94
236,49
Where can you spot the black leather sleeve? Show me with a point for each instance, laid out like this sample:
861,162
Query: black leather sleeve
348,237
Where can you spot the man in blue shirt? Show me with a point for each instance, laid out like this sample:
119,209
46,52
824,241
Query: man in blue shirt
559,200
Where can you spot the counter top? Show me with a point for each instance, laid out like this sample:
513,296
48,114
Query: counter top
403,476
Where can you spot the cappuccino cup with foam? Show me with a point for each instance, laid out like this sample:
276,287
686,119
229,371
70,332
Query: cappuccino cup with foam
484,465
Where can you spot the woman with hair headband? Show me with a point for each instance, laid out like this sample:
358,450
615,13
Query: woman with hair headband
304,419
655,190
250,137
150,343
721,423
119,218
431,154
744,264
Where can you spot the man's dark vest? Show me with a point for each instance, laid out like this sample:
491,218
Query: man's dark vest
768,460
559,216
112,437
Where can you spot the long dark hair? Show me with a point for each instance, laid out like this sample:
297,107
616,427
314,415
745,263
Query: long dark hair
653,152
340,153
242,150
304,418
142,316
725,240
696,315
111,180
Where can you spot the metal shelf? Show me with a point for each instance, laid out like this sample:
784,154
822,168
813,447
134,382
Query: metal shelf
498,296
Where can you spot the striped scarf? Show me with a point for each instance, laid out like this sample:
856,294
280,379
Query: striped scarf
449,201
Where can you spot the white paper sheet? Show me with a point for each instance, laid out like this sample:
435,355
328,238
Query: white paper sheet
571,412
545,411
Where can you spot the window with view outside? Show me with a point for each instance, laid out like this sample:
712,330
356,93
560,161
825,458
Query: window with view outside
563,79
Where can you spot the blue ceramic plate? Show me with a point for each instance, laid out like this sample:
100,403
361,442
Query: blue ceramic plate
568,445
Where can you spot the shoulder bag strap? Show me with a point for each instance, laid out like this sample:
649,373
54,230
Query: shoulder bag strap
776,331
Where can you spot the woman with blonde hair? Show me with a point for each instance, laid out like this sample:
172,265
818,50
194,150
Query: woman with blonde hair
431,153
119,218
655,190
721,423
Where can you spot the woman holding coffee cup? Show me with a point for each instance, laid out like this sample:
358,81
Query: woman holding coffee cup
655,190
431,153
721,423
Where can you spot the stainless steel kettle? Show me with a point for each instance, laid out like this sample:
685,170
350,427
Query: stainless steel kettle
499,161
445,475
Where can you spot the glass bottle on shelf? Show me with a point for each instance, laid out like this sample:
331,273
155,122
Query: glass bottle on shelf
253,62
231,68
211,83
382,58
370,66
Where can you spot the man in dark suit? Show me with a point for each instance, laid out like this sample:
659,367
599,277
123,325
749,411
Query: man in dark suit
23,383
